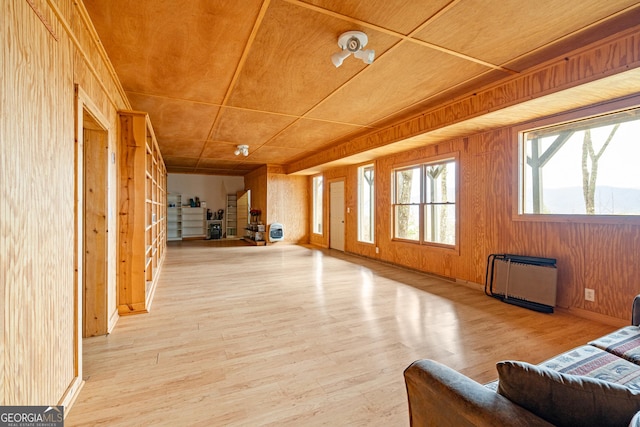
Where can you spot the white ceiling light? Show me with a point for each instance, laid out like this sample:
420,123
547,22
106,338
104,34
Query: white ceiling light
244,149
353,42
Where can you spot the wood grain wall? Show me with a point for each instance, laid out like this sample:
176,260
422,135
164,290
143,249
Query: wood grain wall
597,256
95,233
287,204
590,255
48,49
282,198
37,207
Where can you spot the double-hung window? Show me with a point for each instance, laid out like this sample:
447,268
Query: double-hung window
424,202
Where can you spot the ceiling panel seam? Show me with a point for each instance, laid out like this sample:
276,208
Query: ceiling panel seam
239,67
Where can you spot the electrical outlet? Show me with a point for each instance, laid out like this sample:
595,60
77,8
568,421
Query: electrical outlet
377,250
589,294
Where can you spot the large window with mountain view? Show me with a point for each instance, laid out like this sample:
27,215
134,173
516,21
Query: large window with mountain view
424,203
583,167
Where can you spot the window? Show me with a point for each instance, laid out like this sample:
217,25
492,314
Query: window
407,203
366,203
440,203
424,208
317,204
584,167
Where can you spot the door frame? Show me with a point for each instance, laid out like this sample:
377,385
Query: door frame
82,104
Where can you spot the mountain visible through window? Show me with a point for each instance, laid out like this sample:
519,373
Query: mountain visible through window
586,167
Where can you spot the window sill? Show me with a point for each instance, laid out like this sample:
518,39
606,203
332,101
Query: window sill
427,245
579,219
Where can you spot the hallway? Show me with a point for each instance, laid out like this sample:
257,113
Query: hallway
289,335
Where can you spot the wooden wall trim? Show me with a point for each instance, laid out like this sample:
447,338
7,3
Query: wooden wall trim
97,45
610,57
262,170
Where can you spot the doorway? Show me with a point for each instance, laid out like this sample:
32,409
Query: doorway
336,215
95,220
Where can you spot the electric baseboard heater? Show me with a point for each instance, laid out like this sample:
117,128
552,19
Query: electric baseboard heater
526,281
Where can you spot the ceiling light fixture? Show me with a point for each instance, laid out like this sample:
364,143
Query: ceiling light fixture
244,149
353,42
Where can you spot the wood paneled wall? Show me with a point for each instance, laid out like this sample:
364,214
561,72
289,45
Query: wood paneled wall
37,207
48,48
597,256
282,198
287,204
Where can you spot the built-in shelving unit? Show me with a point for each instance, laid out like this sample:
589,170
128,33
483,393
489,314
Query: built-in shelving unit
174,217
232,216
142,206
193,223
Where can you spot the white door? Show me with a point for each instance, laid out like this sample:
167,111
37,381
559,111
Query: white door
336,215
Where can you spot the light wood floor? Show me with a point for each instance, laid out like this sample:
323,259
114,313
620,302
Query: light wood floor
288,335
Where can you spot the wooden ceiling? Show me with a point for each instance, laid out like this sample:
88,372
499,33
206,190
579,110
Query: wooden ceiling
213,74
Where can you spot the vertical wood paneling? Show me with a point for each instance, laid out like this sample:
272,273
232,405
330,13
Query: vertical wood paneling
37,207
287,203
611,257
351,208
4,179
37,217
281,198
601,257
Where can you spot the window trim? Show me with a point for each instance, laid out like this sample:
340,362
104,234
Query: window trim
422,162
320,214
373,205
585,113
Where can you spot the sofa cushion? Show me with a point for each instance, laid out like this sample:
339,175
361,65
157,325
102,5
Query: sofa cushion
590,361
624,342
564,399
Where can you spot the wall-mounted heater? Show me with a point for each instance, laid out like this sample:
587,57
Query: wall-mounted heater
522,280
276,232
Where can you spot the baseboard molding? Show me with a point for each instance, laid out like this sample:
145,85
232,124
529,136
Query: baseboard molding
71,394
472,285
578,312
597,317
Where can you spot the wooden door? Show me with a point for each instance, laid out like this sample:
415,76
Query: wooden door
95,311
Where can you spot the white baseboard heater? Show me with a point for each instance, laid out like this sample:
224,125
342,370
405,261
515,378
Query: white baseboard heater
522,280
